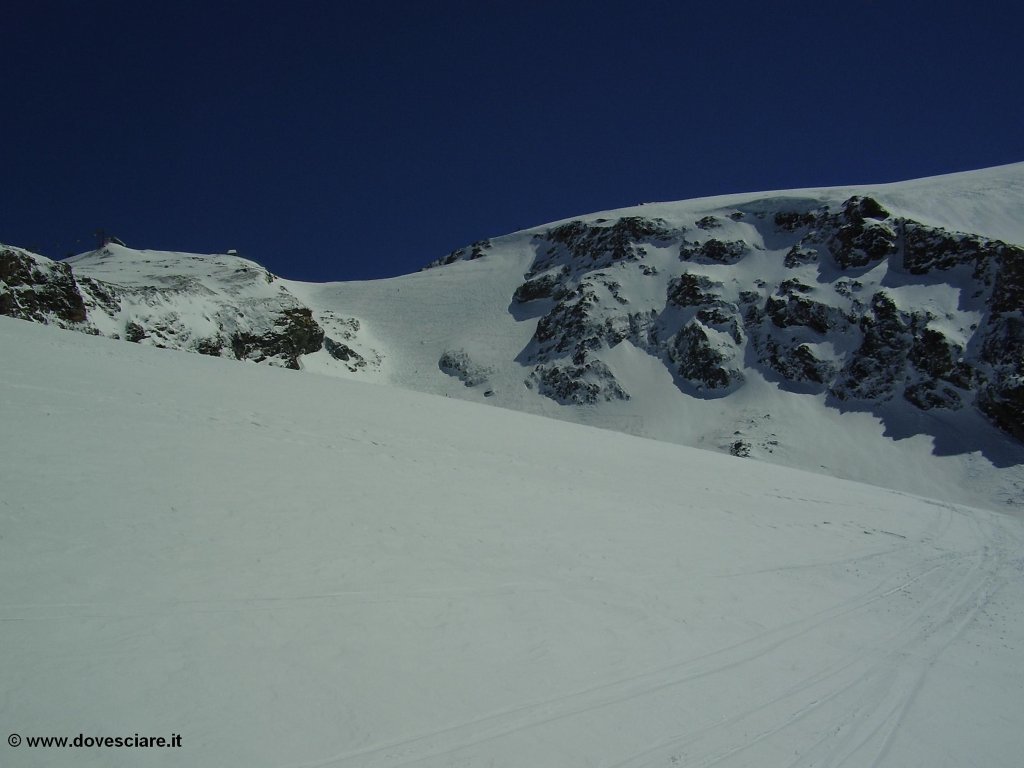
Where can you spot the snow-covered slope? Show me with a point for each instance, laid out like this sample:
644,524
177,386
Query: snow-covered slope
291,570
869,333
855,331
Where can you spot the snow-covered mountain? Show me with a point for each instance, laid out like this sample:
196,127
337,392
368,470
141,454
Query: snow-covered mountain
870,333
289,570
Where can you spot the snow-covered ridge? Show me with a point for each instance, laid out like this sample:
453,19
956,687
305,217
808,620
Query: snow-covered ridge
986,202
217,304
873,333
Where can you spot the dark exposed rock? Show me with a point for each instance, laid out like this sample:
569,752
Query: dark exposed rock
570,323
38,289
876,368
701,362
691,290
717,315
721,315
1003,345
794,308
927,395
798,363
789,221
211,346
574,324
740,449
1008,293
928,248
708,223
1004,405
303,333
469,253
1001,397
638,327
931,248
713,251
538,288
861,208
793,285
798,256
937,357
457,363
594,247
295,333
344,353
800,310
858,241
847,287
589,383
857,236
134,332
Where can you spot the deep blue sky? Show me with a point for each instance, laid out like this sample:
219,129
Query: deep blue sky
343,140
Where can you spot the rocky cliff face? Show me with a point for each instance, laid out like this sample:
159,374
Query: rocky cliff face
37,289
856,303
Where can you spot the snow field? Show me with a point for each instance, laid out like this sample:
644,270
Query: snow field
294,570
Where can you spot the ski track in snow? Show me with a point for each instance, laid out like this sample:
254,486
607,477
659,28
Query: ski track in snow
874,687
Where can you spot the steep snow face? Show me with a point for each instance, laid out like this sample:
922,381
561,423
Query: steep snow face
871,333
289,570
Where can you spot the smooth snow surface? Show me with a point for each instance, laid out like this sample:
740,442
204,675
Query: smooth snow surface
293,570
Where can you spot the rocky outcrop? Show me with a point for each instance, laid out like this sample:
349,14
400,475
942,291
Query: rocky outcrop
849,337
792,305
928,249
705,359
791,221
543,287
860,236
584,384
582,246
37,289
691,290
714,251
1004,405
1001,395
457,363
343,352
470,253
570,325
876,368
799,255
797,362
294,333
